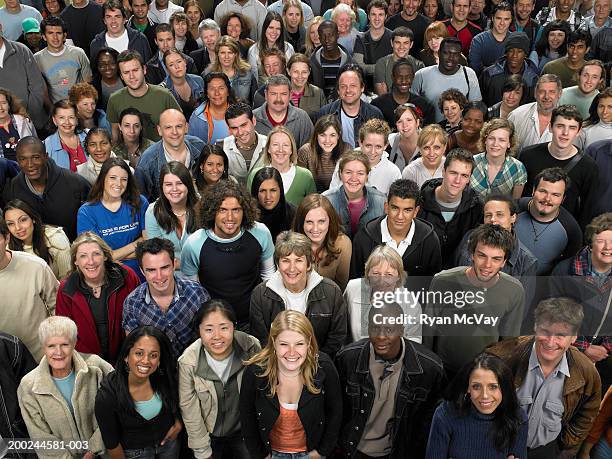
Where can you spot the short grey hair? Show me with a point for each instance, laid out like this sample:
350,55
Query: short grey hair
384,253
208,24
55,326
278,80
550,78
559,310
343,8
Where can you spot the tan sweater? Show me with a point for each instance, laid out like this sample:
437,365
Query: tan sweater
338,270
28,290
59,248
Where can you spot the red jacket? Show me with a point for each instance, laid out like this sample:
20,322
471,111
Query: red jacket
71,302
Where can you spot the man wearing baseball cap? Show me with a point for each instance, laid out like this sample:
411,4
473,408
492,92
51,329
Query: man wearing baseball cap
514,61
31,36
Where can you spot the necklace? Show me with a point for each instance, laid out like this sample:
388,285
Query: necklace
179,215
250,147
535,233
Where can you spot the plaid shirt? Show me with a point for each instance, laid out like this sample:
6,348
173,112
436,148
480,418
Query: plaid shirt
511,173
140,309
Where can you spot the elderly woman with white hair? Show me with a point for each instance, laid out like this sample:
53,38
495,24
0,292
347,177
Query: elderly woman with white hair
57,397
384,273
344,17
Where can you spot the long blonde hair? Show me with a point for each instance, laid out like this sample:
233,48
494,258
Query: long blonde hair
267,359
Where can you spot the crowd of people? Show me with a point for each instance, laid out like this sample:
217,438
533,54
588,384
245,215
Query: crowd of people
306,229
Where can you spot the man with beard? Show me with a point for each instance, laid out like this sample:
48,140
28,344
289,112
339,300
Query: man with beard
590,76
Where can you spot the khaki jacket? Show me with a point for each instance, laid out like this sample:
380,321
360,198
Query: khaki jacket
47,414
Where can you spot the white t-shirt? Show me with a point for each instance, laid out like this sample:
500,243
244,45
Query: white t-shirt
120,43
297,301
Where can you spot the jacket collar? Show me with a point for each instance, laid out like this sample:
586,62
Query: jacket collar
44,383
411,364
275,283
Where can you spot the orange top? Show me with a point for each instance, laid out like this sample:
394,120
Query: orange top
288,435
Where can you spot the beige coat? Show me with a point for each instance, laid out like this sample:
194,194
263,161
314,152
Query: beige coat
198,397
46,413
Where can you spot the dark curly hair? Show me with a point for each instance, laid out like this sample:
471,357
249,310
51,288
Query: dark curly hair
217,193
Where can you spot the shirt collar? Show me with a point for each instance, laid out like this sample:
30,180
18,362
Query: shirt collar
148,299
386,236
562,366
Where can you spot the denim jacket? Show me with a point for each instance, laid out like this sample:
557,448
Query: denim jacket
55,151
195,82
244,86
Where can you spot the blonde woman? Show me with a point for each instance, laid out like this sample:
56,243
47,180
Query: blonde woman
229,62
312,36
432,145
291,398
295,32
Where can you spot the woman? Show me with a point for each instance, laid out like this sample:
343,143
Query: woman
137,404
496,170
95,289
344,17
115,210
599,124
173,216
132,143
98,147
432,9
468,137
183,41
481,416
207,121
57,397
293,17
53,8
404,142
451,104
291,399
395,7
29,234
281,153
275,212
238,27
211,166
359,18
14,124
217,356
85,98
65,146
434,34
312,37
322,160
187,89
355,202
513,91
331,248
304,95
194,15
432,145
384,272
272,36
552,43
106,77
230,63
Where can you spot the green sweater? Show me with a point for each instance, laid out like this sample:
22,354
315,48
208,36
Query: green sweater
303,184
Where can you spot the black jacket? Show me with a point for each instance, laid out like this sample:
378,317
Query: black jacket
418,391
320,413
137,42
149,32
201,59
156,73
467,216
64,193
421,258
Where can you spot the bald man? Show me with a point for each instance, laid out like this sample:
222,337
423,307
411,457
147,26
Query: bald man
175,145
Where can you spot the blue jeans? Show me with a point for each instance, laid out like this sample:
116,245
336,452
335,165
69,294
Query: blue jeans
168,451
601,450
277,455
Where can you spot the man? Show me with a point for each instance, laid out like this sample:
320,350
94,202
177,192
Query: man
31,36
590,77
175,145
479,289
555,382
245,145
161,10
532,121
54,192
84,21
488,46
411,18
326,61
13,14
432,81
62,65
562,11
401,41
548,230
600,19
375,43
30,292
380,417
476,14
274,62
523,21
601,48
567,67
140,21
512,95
252,9
459,26
514,62
165,300
307,13
586,278
156,69
117,36
399,93
209,32
20,75
150,100
233,253
277,110
412,238
601,152
449,204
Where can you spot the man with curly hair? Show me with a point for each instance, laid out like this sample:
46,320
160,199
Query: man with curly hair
232,253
